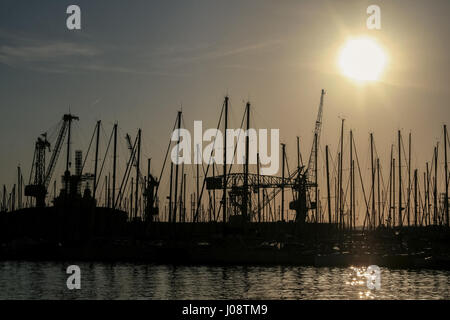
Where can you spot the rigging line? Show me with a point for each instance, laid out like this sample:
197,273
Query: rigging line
345,194
234,153
235,148
289,174
421,204
126,174
165,160
103,131
104,158
204,174
79,134
384,192
362,185
405,157
89,148
192,167
255,112
209,162
53,131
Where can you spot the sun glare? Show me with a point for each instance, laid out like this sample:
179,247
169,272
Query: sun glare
362,59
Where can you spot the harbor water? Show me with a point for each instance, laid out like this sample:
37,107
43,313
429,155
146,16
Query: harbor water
48,280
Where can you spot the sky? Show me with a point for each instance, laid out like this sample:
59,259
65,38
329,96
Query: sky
139,62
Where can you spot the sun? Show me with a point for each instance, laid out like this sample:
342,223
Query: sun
362,59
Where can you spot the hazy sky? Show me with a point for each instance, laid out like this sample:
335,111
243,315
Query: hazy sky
138,62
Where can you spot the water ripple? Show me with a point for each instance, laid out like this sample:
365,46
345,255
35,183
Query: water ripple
47,280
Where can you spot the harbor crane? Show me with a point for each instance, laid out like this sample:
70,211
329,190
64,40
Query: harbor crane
38,188
300,181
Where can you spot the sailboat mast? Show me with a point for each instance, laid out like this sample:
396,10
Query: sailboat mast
224,193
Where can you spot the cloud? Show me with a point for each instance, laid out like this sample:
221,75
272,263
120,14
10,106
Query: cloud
60,56
223,52
123,69
39,54
83,56
43,52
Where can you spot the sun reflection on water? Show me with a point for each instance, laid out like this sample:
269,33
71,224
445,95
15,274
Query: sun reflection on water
358,278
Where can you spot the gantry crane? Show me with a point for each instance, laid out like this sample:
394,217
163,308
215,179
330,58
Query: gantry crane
42,178
300,181
237,182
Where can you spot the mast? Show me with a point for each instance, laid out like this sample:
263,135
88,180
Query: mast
259,203
184,197
428,195
336,200
340,173
114,167
328,185
131,199
425,207
351,180
198,172
68,118
400,222
390,191
373,180
409,178
13,198
150,195
435,184
181,193
224,195
4,198
19,189
393,190
109,190
315,173
354,194
352,145
247,141
415,198
214,193
106,191
96,156
282,183
138,160
170,192
378,191
446,176
176,169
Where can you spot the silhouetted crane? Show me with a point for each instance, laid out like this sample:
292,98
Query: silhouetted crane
42,178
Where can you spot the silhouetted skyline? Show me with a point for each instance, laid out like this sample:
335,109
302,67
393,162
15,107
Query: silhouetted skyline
138,63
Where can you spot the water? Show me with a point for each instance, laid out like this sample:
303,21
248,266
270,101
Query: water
47,280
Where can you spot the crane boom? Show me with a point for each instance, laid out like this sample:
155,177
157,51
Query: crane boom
312,156
274,193
56,151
